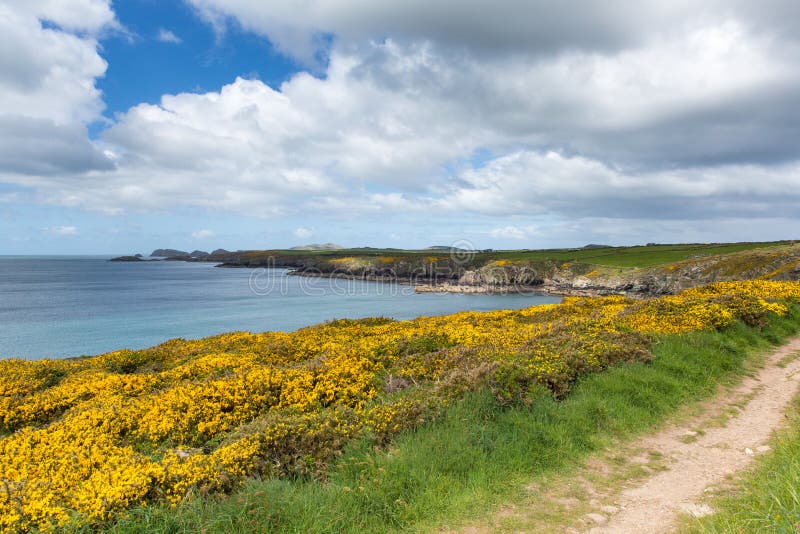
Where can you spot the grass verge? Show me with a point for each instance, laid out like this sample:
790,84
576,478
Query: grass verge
767,498
479,455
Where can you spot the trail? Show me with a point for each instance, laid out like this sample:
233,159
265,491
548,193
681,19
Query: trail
647,485
700,457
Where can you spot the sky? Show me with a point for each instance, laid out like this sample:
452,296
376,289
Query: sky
252,124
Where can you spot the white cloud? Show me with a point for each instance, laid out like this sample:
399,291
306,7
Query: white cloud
535,27
167,36
47,73
75,16
531,183
62,230
303,232
512,232
47,86
375,133
587,113
203,234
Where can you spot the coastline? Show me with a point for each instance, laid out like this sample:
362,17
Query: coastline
636,272
424,285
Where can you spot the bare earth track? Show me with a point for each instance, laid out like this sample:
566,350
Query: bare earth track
648,486
701,459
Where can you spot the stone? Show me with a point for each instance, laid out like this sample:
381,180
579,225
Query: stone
599,519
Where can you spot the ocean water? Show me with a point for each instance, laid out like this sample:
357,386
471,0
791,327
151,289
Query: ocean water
69,306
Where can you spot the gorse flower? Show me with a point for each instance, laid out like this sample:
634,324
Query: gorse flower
85,439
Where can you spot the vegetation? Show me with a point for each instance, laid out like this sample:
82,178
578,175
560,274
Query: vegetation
633,257
647,270
87,439
478,454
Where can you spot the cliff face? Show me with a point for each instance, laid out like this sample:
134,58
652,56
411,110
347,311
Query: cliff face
780,263
573,278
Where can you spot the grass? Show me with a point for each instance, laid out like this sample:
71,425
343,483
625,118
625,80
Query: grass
767,499
479,455
620,257
638,256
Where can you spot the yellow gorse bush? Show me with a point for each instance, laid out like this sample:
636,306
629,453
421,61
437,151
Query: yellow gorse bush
84,439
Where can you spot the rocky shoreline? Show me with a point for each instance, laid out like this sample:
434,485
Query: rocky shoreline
579,287
428,287
588,281
483,273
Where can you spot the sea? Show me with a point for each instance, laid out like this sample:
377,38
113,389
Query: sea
64,306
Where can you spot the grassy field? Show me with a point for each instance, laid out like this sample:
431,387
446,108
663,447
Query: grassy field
640,256
636,256
646,267
479,454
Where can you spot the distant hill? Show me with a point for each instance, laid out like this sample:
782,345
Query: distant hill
168,253
221,251
198,254
592,246
317,246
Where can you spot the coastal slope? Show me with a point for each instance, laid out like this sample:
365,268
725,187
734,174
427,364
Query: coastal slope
644,270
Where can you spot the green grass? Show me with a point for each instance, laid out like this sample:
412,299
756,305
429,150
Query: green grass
640,256
478,455
767,499
622,257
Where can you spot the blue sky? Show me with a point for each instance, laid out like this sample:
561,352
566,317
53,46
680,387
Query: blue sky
200,124
142,66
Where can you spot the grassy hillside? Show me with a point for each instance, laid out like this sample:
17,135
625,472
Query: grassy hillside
478,454
637,256
653,270
87,439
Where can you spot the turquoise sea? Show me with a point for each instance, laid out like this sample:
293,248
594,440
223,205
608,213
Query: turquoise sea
61,306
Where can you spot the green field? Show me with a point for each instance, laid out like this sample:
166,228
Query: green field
626,257
639,256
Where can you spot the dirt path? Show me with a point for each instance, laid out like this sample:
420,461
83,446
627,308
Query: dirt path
700,455
647,485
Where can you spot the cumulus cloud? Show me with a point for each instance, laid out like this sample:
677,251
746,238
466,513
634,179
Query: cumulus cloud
42,147
534,27
536,183
47,90
647,111
90,16
167,36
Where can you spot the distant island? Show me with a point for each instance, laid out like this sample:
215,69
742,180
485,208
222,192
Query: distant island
168,253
